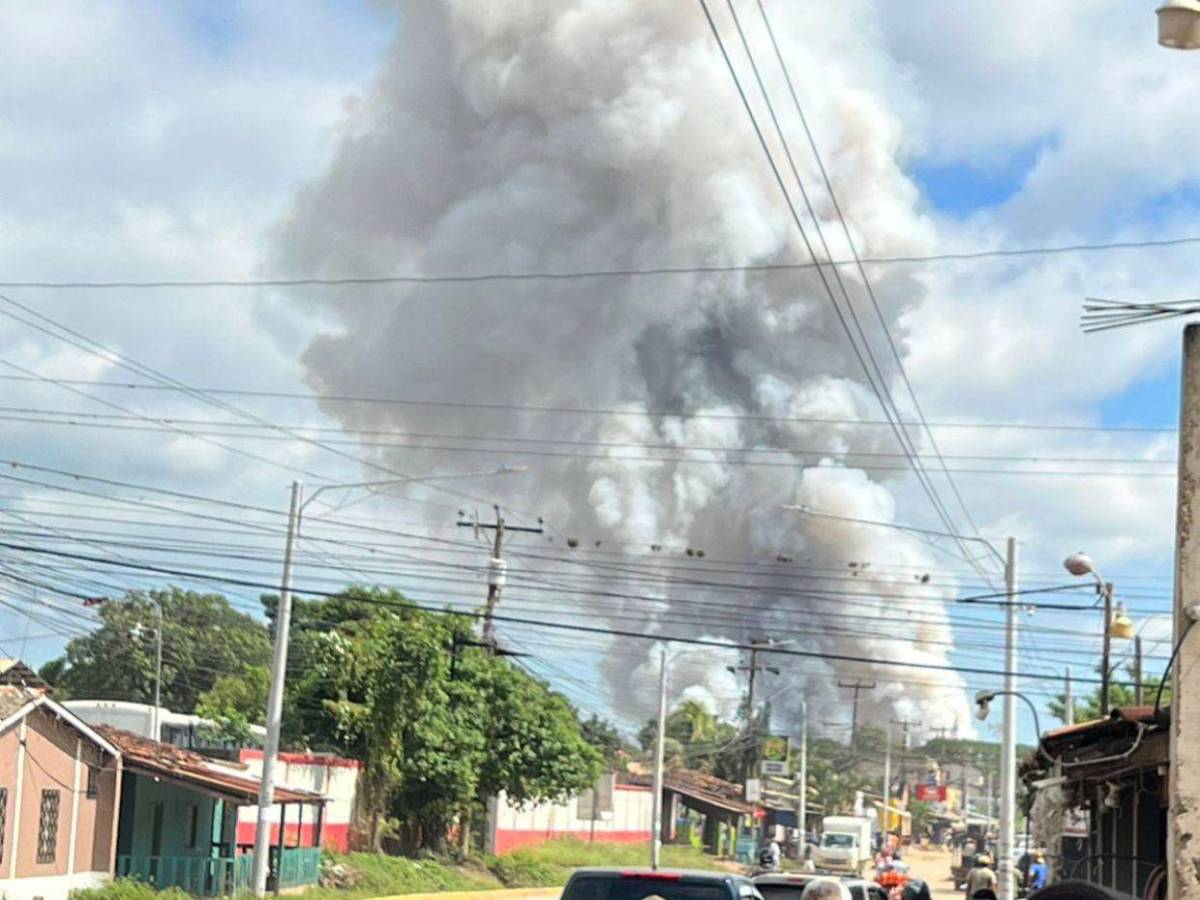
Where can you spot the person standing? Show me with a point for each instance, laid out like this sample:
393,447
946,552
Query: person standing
981,877
1038,873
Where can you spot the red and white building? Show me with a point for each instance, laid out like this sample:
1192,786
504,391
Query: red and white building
612,812
331,776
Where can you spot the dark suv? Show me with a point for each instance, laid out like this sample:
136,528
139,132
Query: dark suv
639,884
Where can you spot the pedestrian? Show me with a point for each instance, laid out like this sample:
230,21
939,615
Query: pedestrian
981,877
1038,873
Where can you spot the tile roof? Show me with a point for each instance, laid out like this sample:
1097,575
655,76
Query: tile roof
12,698
228,779
702,787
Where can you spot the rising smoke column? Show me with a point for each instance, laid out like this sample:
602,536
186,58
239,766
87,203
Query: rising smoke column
568,134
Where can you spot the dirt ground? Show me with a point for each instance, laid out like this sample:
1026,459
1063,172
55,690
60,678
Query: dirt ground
933,866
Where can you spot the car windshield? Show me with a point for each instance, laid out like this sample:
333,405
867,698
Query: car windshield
633,887
837,840
789,891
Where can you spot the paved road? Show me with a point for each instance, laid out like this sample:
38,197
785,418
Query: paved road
933,866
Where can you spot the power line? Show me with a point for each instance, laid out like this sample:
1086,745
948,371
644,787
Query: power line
540,623
553,275
597,411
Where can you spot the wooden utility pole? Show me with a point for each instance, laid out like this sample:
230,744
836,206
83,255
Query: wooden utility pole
497,567
858,686
1183,838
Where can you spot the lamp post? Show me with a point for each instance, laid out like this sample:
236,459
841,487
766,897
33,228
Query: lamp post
1008,755
1179,24
283,620
1116,624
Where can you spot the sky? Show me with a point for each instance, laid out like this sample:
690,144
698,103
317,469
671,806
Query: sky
177,142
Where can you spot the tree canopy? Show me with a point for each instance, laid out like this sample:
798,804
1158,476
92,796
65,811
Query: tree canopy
1087,707
204,637
440,724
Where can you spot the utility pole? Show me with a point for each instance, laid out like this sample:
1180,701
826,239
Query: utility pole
1138,691
1069,711
1106,661
1184,803
656,815
497,566
802,812
158,633
857,686
1008,750
283,622
887,787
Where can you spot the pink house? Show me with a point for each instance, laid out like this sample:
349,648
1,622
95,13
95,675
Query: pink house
59,785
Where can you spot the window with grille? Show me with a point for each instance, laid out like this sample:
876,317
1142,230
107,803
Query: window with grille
3,818
93,782
48,827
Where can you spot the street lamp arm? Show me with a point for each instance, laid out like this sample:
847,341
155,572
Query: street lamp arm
809,511
414,479
983,698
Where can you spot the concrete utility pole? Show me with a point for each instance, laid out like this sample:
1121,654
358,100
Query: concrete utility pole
1008,750
1069,705
802,811
887,785
1106,659
158,634
660,741
283,621
1138,692
1183,838
497,567
857,686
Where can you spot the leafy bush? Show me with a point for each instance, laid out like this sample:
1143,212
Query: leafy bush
127,889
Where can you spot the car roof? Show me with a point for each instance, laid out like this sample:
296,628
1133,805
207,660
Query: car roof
634,871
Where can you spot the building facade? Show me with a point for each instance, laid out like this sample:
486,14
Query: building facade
334,778
611,812
59,784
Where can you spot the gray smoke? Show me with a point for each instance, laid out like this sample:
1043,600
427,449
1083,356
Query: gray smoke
567,134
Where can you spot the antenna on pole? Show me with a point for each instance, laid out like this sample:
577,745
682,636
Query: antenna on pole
1104,315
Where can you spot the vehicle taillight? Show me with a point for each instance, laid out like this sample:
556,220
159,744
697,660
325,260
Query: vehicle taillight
653,876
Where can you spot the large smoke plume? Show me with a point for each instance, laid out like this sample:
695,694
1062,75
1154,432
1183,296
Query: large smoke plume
570,134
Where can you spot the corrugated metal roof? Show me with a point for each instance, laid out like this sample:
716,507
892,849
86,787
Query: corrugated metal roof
213,776
1134,714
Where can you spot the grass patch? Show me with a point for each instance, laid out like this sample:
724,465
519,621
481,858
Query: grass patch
550,864
127,889
546,865
376,875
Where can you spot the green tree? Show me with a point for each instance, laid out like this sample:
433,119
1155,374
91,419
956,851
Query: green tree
698,739
203,638
1088,707
235,702
439,724
603,735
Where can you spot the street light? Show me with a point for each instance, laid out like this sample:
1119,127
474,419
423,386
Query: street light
1179,24
983,700
1117,625
283,619
1008,756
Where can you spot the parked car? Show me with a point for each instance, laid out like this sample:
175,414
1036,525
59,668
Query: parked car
637,884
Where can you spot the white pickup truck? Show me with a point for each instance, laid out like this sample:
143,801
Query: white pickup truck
845,844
